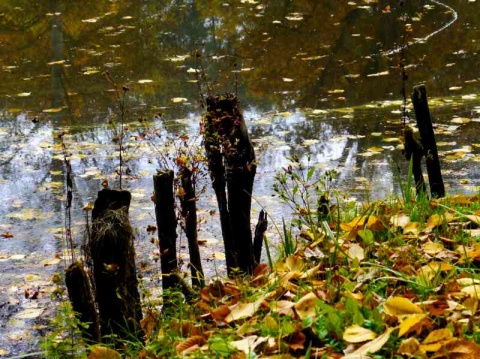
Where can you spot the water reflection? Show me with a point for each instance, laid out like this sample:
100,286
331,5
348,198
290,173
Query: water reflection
312,77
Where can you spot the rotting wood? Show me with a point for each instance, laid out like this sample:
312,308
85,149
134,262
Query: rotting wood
111,247
260,229
231,161
427,138
81,296
167,227
188,203
413,152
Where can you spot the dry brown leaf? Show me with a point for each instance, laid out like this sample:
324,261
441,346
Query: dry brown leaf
396,306
190,343
219,314
101,352
438,335
409,347
458,349
245,310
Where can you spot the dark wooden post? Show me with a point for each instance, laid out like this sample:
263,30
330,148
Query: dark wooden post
427,138
113,255
81,296
414,153
260,229
231,160
167,228
188,202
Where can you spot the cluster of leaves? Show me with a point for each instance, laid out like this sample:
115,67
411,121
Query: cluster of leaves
403,283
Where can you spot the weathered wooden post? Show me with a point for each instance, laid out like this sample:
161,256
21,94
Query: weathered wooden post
231,161
81,296
427,138
113,255
414,152
167,227
188,203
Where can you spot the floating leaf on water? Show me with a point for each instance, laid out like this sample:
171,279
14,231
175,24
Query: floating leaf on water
294,17
376,134
18,257
91,72
286,79
352,76
278,22
59,62
383,73
24,94
31,277
53,110
310,142
127,17
29,313
335,91
145,81
455,88
91,21
179,99
191,71
460,120
50,262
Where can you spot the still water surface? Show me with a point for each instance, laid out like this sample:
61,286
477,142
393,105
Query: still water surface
317,79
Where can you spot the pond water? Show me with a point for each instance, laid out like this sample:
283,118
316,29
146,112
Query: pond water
317,79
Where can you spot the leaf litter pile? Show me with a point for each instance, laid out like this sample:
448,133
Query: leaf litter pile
398,280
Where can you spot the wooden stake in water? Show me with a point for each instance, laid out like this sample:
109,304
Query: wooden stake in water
427,137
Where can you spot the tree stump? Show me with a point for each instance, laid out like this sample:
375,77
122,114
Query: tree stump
231,161
113,256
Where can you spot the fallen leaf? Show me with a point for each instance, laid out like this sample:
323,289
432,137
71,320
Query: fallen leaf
409,322
396,306
101,352
305,306
357,334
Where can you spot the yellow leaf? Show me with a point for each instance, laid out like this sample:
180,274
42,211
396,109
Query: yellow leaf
438,335
53,110
179,99
305,307
374,345
358,334
409,322
101,352
472,290
409,347
433,248
396,306
458,349
145,81
24,94
430,270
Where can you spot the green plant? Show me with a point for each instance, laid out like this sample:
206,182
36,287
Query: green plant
65,339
